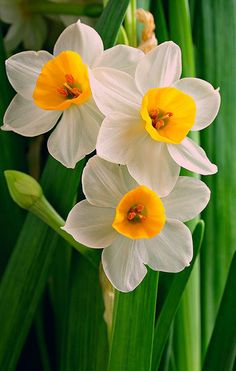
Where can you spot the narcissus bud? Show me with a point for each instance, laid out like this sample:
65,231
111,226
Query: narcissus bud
24,189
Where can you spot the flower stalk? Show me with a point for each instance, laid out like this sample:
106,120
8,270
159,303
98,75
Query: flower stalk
28,194
130,23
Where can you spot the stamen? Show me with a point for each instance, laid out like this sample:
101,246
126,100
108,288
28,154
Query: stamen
69,90
70,79
136,213
62,91
139,208
75,92
131,215
159,119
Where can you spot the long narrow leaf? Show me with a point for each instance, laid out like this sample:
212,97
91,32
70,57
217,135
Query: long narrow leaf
133,327
85,344
216,56
221,352
172,300
110,21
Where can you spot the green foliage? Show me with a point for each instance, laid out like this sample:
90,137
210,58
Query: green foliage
133,327
221,351
171,302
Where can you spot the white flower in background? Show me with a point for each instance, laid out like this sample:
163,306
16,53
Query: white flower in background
56,87
133,224
69,19
148,120
31,29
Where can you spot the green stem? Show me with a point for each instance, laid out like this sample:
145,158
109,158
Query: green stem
130,23
122,37
47,7
44,211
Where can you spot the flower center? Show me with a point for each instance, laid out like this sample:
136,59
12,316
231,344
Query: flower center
159,118
63,81
139,214
168,113
136,214
70,89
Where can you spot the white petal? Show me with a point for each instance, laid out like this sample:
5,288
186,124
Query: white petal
23,117
82,39
114,91
123,265
76,134
188,198
23,70
14,36
152,166
91,225
10,11
160,67
192,157
118,137
35,32
121,57
104,183
207,100
171,250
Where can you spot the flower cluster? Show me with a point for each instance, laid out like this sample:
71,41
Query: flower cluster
137,112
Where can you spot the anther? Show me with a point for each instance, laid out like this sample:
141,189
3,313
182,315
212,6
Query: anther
139,208
70,79
62,91
131,215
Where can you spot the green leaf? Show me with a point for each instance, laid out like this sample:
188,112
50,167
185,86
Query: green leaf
172,300
133,327
110,21
221,351
85,343
12,155
28,269
161,30
216,63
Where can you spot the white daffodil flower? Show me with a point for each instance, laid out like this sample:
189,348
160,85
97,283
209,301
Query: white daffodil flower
31,29
148,119
54,88
133,224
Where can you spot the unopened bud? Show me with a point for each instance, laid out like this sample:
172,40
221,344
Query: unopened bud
24,189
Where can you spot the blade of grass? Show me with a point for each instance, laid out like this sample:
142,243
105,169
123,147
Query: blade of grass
221,351
172,300
216,56
187,325
133,327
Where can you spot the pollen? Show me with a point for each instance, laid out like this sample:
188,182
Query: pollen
63,81
168,114
139,214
